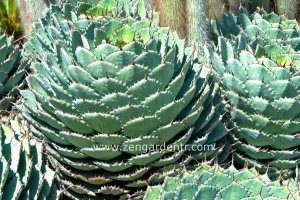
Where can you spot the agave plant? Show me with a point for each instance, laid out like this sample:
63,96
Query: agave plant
261,24
217,183
24,174
12,71
117,79
259,71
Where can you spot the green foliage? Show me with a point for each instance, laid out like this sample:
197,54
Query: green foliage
117,79
9,18
261,26
259,70
216,183
24,174
12,71
109,92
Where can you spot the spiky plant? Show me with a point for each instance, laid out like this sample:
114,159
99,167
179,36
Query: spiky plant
24,174
31,10
12,71
216,183
229,25
9,18
281,29
117,79
259,71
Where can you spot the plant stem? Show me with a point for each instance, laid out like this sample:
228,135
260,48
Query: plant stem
197,34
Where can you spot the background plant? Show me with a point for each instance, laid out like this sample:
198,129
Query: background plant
103,73
214,182
31,11
24,173
12,71
116,78
9,18
259,69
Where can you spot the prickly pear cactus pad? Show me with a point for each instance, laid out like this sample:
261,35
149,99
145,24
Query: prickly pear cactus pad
116,79
24,174
12,71
259,71
216,183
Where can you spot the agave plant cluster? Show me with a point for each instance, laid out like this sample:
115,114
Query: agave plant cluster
117,79
113,103
24,173
214,182
259,68
12,71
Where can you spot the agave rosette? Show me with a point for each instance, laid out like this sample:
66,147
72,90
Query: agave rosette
259,71
117,79
215,182
24,173
259,26
12,71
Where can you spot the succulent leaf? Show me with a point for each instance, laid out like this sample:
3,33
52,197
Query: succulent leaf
256,62
24,173
218,183
12,71
115,78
